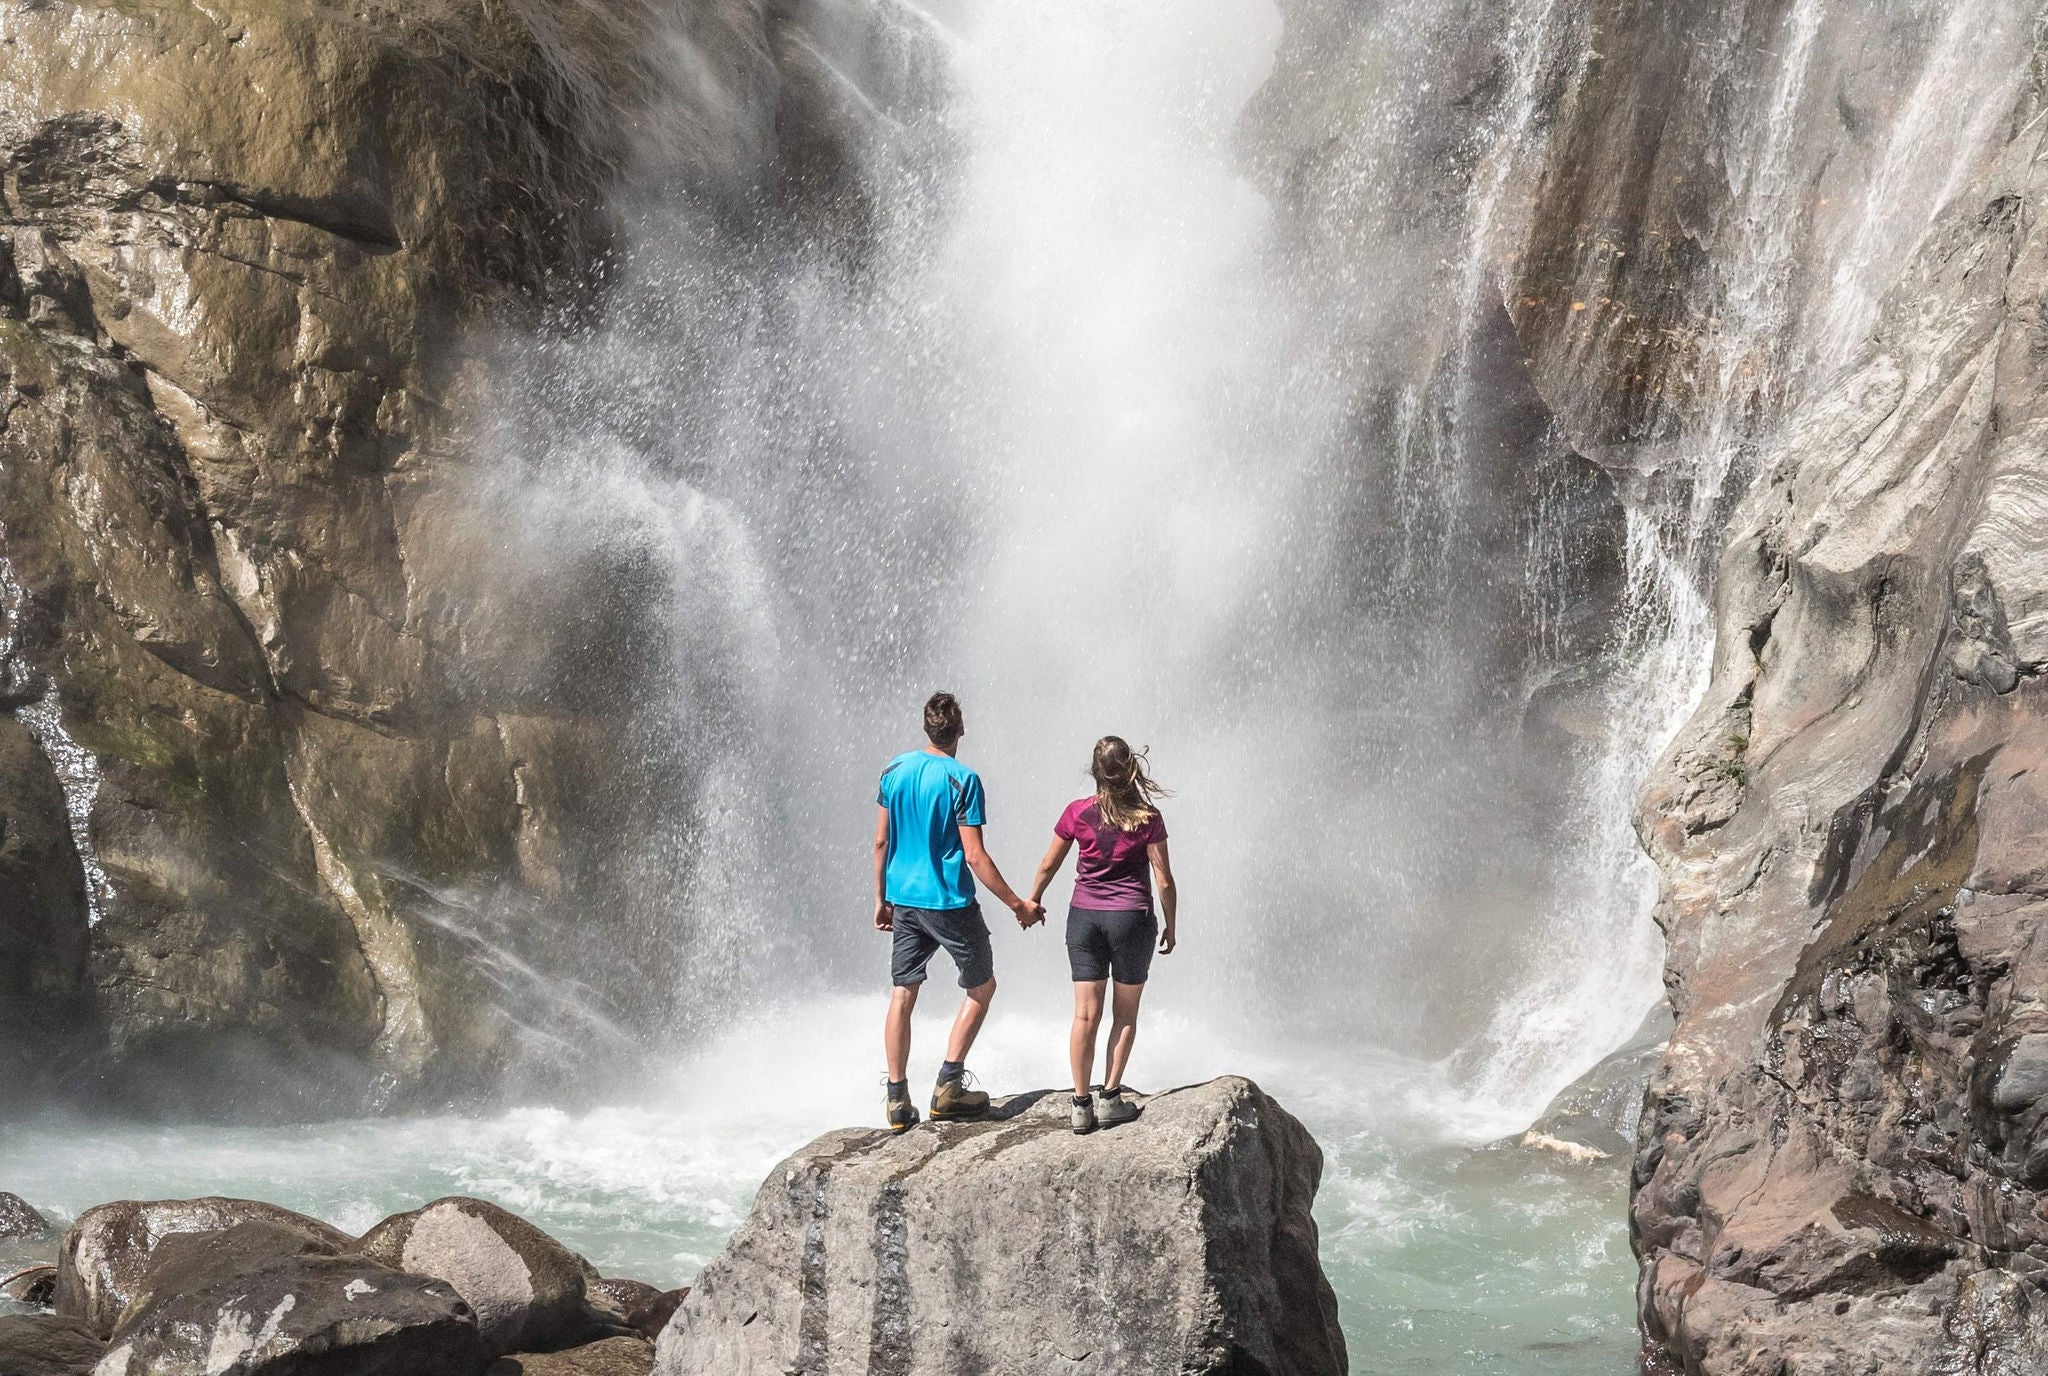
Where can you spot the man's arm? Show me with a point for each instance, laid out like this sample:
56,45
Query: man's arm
984,867
884,920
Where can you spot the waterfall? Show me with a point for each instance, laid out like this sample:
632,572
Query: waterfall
1086,393
1076,427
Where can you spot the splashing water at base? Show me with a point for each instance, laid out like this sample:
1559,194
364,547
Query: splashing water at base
1445,1259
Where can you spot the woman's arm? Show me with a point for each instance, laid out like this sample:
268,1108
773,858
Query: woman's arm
1162,873
1055,856
884,921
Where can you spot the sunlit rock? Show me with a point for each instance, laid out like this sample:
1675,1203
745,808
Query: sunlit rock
526,1288
263,1300
1179,1242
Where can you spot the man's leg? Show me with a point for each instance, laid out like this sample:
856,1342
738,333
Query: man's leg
896,1031
1123,1031
965,936
967,1023
1081,1042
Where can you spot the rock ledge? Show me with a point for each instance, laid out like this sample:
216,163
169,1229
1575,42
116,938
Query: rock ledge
1181,1242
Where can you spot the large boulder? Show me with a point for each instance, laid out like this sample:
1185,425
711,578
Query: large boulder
1181,1242
526,1288
108,1254
46,1345
264,1299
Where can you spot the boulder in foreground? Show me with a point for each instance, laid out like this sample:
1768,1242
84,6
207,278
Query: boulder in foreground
108,1253
1181,1242
526,1288
260,1299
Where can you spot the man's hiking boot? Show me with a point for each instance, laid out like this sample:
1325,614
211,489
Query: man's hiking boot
953,1100
1084,1117
902,1114
1113,1106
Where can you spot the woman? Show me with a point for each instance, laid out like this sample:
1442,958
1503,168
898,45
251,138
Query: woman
1110,927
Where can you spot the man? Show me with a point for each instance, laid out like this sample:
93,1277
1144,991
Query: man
928,853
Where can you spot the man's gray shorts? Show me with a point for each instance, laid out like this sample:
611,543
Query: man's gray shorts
921,931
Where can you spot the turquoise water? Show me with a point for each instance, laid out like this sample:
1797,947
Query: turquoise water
1445,1259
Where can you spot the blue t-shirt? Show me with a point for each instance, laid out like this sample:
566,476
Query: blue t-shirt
929,797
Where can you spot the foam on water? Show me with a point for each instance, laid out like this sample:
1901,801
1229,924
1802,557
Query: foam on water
1444,1259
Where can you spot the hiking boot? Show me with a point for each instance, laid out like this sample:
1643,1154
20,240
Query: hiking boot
902,1114
952,1100
1084,1117
1113,1106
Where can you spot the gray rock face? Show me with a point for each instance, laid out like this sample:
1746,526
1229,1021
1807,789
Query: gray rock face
526,1288
331,730
225,327
107,1255
259,1299
1844,1161
46,1345
1181,1242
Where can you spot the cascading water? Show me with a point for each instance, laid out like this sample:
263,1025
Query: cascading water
77,771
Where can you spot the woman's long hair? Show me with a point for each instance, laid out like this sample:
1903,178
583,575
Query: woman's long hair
1123,790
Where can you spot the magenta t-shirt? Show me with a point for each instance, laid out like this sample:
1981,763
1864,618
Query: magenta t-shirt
1113,874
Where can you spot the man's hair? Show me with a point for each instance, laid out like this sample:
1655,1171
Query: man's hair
942,722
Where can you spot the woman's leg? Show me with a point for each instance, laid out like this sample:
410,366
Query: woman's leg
1123,1030
1087,1020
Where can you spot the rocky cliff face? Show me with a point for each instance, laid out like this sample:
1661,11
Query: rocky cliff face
1836,1169
296,767
1842,1159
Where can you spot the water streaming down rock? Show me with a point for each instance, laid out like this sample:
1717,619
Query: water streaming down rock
76,771
1806,216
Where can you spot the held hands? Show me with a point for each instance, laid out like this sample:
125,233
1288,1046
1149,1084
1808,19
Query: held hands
885,920
1030,912
1166,941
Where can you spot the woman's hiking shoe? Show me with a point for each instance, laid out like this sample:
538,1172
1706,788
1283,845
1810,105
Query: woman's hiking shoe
953,1100
1084,1116
1113,1106
902,1114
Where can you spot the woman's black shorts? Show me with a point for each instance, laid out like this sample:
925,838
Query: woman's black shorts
1104,945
